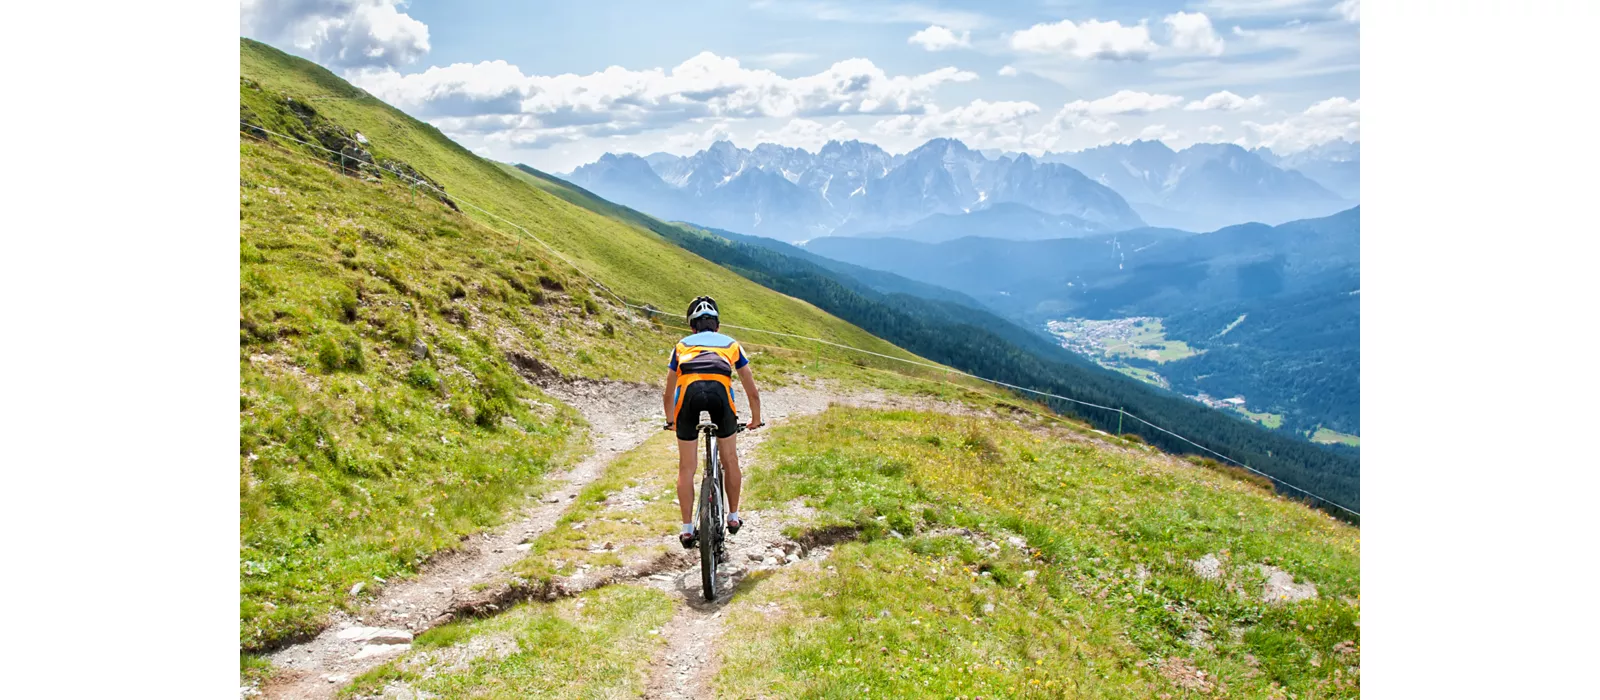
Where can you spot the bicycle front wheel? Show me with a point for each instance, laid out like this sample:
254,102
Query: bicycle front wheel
708,544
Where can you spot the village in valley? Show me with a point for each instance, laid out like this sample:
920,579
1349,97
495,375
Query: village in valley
1116,343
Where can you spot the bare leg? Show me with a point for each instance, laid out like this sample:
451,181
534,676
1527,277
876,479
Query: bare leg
686,464
727,450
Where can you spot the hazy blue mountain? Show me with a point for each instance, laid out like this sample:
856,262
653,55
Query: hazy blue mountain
842,170
935,178
660,162
1147,271
1205,186
849,186
764,203
629,177
1058,189
1006,220
876,280
1335,165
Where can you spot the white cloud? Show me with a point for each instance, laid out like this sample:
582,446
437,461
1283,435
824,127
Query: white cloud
1335,107
1066,121
339,34
1225,101
1007,71
1212,132
1350,10
1157,132
694,141
937,38
1329,120
541,109
1089,39
1192,33
1122,102
808,134
980,124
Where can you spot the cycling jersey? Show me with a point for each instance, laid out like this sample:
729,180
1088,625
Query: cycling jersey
706,356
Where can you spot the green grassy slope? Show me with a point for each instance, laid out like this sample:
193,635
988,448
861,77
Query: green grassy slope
1001,562
991,559
639,266
382,333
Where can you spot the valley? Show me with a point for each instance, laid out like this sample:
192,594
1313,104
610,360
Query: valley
1263,312
1138,347
1139,337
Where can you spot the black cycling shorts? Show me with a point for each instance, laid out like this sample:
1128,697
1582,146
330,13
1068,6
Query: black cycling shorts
705,395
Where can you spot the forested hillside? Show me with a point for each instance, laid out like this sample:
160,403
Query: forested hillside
1267,313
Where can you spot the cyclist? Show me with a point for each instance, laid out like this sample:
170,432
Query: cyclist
700,378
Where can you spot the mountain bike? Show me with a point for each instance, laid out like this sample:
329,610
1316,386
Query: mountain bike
711,509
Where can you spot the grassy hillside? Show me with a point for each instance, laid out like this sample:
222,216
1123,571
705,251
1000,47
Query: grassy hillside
990,558
386,341
640,267
1005,562
383,332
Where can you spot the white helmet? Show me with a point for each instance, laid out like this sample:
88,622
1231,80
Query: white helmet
702,306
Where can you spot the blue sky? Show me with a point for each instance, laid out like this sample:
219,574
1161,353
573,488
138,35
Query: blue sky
555,84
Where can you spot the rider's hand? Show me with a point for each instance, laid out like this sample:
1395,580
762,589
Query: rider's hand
755,422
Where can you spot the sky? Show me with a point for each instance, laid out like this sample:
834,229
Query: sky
557,84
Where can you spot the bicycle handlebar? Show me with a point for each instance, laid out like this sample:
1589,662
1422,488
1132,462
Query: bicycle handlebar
740,428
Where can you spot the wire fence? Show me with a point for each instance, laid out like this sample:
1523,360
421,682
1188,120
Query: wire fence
655,310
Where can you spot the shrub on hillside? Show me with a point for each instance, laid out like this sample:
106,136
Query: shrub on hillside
422,376
336,354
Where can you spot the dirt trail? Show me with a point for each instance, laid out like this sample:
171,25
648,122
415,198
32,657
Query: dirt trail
622,417
685,668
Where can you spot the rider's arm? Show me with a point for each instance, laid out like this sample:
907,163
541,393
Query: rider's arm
666,395
750,390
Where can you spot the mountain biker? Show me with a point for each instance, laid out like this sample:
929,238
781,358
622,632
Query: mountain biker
700,378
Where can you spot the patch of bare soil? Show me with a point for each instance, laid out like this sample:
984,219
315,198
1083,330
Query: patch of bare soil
1280,587
1182,673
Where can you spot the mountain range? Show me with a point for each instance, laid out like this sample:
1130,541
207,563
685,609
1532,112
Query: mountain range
943,189
1211,185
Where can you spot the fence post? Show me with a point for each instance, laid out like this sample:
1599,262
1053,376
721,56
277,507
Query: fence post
1119,420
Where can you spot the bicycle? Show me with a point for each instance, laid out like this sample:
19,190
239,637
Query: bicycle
711,508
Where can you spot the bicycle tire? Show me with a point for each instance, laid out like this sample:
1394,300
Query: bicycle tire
709,500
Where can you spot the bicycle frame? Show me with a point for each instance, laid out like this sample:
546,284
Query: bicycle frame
711,509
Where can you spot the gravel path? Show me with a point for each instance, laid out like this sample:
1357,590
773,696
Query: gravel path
622,416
